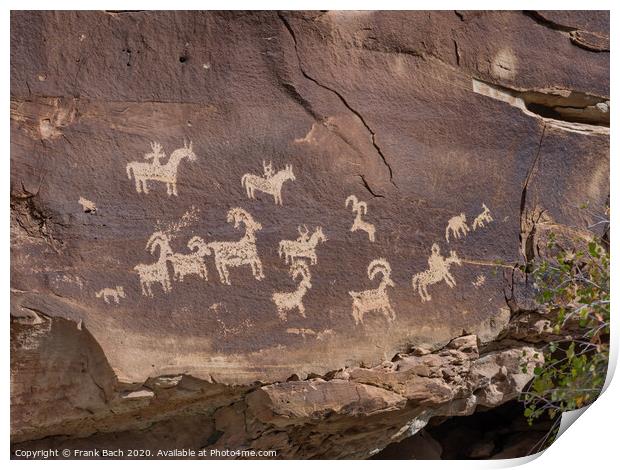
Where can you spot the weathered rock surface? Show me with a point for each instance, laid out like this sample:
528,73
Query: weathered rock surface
500,116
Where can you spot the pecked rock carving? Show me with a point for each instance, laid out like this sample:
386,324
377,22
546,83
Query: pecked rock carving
157,272
374,299
304,246
184,264
111,294
360,208
457,225
142,172
483,218
240,253
287,301
438,270
270,183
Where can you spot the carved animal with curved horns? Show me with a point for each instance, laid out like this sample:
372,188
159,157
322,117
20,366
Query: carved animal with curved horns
360,208
167,173
374,299
287,301
184,264
157,272
270,183
231,254
438,270
303,247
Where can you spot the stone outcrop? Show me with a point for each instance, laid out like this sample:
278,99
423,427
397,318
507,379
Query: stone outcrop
188,271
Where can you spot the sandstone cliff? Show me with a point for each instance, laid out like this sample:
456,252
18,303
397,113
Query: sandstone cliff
289,230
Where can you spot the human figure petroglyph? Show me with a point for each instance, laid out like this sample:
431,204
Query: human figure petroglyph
483,218
458,226
438,270
238,253
360,208
303,247
287,301
156,273
109,294
269,183
374,299
184,264
155,171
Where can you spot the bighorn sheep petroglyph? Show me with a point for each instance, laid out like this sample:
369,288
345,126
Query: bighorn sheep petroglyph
154,171
238,253
269,183
286,301
374,299
360,208
304,246
438,270
158,271
184,264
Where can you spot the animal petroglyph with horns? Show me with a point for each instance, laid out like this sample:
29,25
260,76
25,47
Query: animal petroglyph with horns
374,299
184,264
156,273
238,253
360,208
287,301
483,218
143,172
109,294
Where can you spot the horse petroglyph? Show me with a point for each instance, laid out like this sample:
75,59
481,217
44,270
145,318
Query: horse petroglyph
191,263
458,226
304,246
157,272
238,253
483,218
438,270
156,171
286,301
374,299
109,294
269,183
360,208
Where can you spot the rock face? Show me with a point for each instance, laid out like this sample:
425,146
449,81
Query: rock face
289,231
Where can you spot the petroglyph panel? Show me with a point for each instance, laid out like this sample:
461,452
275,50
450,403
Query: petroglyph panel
197,216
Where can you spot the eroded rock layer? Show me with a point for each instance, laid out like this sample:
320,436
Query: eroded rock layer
289,230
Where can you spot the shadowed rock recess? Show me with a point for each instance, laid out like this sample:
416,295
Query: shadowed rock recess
189,269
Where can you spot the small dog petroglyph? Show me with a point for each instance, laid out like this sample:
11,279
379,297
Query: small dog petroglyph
110,294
